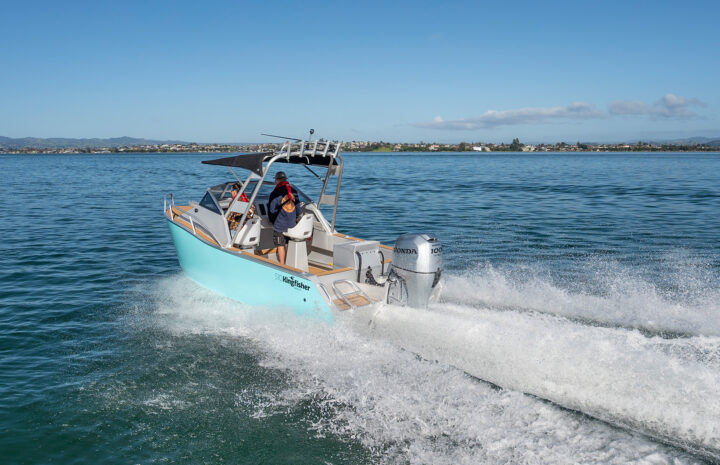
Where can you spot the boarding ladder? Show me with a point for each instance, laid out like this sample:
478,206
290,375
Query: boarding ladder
353,299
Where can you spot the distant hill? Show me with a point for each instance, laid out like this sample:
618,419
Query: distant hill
709,141
63,143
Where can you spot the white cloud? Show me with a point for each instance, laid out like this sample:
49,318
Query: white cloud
669,106
493,118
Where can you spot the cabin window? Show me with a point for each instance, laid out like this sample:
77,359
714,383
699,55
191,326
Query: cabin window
262,209
209,202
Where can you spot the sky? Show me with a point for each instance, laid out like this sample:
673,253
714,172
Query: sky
400,71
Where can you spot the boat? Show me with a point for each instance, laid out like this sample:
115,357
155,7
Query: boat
225,243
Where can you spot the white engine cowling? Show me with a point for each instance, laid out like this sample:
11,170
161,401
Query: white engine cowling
416,269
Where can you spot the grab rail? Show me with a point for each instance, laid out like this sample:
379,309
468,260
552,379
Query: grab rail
327,294
204,229
165,201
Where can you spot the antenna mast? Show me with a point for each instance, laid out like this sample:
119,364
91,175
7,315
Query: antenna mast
281,137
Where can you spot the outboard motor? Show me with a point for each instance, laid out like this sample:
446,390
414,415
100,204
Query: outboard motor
416,269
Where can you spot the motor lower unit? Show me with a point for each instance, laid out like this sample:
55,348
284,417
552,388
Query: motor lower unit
416,269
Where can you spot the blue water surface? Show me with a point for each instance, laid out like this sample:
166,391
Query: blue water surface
84,370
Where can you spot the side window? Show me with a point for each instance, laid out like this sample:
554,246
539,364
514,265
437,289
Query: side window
209,203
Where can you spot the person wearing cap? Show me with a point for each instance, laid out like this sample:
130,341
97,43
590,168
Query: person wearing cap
283,213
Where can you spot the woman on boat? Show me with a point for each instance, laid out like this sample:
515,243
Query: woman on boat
234,192
234,217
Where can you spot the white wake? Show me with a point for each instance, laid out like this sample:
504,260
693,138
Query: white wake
612,295
666,388
373,388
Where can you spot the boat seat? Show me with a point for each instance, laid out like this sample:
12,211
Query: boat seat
238,207
297,247
302,230
249,235
321,222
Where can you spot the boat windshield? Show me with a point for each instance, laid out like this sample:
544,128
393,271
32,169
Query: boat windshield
224,191
268,187
221,191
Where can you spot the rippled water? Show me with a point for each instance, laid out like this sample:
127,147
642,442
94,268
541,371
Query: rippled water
579,320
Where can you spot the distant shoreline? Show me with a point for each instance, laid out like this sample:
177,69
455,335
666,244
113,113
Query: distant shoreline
508,152
377,147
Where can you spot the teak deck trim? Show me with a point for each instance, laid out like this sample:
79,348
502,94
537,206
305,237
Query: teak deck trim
316,268
338,270
356,299
271,261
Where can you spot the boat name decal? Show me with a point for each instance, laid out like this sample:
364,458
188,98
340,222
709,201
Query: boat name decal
293,282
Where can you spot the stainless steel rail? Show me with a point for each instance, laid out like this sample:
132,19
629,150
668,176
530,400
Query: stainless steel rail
355,290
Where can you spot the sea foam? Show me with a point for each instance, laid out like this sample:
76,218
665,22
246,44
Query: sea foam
370,386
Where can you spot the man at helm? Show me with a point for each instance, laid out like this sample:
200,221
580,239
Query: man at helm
283,213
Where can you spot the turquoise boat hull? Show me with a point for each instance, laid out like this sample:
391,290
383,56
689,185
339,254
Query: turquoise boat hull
247,280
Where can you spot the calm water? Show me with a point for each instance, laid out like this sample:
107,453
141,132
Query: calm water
592,280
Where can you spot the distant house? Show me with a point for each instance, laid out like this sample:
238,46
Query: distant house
481,148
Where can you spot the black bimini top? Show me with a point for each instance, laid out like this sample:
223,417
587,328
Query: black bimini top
253,161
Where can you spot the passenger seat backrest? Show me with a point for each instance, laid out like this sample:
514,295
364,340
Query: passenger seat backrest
302,230
250,234
239,207
322,222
